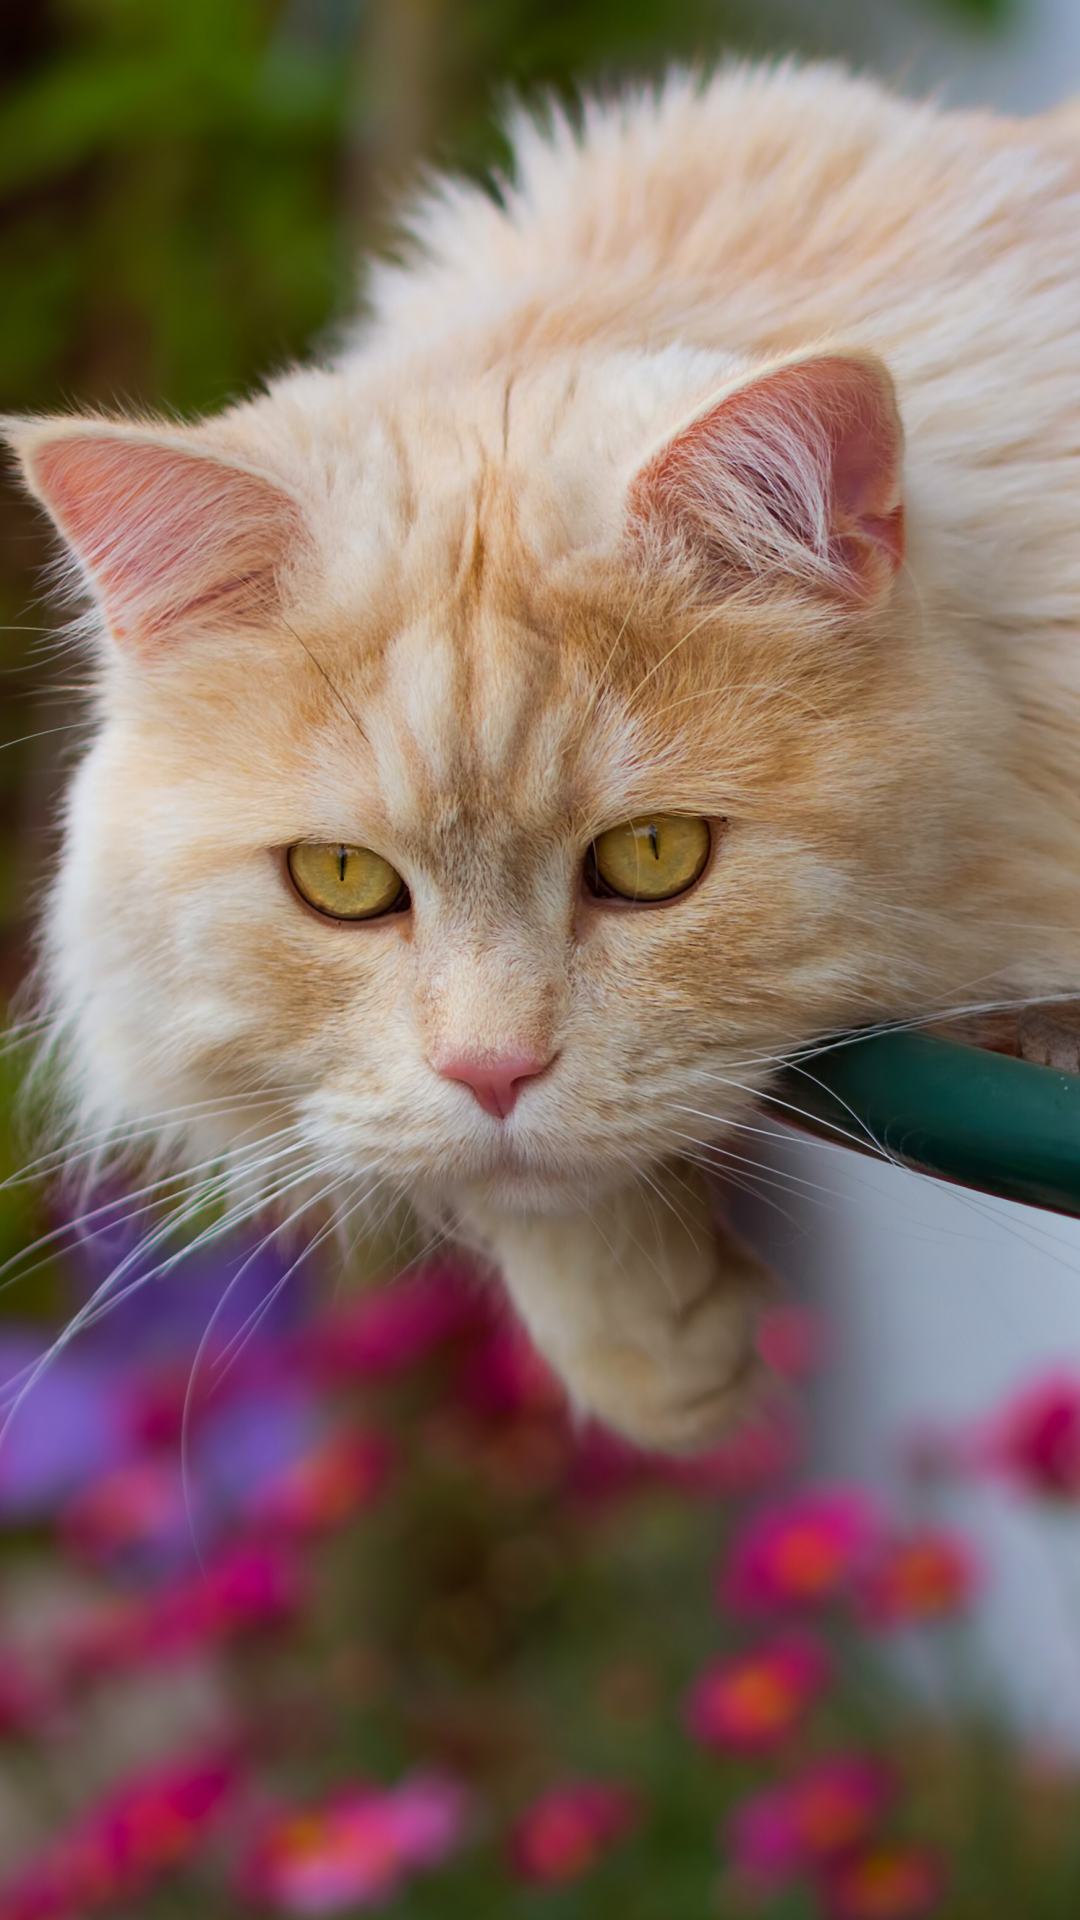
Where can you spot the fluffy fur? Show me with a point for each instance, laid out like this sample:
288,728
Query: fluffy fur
730,466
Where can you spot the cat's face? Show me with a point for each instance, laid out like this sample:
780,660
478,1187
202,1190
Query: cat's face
373,630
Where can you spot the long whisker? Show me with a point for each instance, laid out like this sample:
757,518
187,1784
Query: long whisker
110,1294
336,691
710,614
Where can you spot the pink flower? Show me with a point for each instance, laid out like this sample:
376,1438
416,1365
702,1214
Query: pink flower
326,1486
819,1815
430,1816
605,1467
129,1509
886,1882
754,1701
564,1833
385,1332
926,1576
356,1849
121,1846
28,1698
805,1551
761,1450
791,1340
251,1588
1036,1440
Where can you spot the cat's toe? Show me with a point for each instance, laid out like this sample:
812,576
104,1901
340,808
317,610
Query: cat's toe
680,1401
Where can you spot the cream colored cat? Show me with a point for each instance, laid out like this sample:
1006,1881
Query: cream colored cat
653,643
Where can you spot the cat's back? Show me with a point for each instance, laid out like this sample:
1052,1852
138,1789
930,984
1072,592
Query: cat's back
773,209
770,207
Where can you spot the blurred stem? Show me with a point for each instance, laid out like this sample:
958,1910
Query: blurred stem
396,95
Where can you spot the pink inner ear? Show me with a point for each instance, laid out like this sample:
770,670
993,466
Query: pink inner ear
167,535
797,472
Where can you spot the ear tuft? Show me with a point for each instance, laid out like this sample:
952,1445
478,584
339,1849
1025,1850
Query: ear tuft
168,537
796,473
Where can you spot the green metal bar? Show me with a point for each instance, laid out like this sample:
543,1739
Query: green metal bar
982,1119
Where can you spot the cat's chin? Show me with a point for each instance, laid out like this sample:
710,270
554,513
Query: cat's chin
531,1191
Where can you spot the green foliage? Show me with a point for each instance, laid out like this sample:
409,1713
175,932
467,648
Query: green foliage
173,221
183,186
980,13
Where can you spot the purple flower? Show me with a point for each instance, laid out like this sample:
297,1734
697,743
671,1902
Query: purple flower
66,1427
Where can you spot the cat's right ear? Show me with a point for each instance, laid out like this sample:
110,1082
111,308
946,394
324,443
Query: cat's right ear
170,539
794,476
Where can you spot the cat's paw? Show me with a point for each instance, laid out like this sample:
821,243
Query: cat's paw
647,1312
689,1387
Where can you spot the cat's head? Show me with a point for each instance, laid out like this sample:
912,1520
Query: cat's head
446,631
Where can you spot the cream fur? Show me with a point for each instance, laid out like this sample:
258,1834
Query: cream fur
439,599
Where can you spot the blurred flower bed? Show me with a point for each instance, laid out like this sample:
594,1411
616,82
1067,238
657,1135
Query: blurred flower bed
320,1607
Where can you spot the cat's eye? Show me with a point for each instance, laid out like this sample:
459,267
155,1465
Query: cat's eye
347,883
654,857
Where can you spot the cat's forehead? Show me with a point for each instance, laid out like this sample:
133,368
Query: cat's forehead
483,611
408,468
485,718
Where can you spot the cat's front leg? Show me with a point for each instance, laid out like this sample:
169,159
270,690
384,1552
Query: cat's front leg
645,1306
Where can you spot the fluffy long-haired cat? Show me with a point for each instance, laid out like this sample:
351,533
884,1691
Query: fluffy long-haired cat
654,642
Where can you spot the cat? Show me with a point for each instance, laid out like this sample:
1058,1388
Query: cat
650,643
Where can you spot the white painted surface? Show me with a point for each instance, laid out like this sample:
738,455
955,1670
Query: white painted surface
941,1303
1031,64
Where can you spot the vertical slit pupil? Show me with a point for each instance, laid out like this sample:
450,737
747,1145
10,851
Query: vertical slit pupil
654,843
342,861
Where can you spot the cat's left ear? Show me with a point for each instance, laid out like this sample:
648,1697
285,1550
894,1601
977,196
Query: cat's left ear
795,474
172,539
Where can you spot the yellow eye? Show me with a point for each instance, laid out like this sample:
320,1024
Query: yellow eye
651,858
348,883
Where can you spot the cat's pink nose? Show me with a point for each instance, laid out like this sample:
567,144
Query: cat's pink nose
495,1083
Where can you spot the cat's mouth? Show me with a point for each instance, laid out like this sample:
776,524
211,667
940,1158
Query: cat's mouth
531,1175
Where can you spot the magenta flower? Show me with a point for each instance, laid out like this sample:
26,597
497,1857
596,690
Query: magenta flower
28,1697
885,1882
1035,1441
760,1451
807,1550
926,1576
324,1488
503,1377
819,1815
135,1516
120,1847
602,1466
791,1340
384,1332
255,1587
358,1848
565,1833
753,1702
